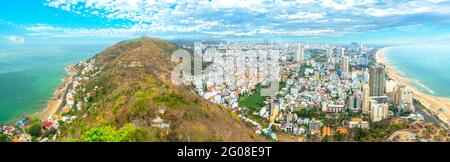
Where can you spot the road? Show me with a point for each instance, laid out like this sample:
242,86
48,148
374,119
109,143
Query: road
420,109
64,98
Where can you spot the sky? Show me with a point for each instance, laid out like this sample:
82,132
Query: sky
339,21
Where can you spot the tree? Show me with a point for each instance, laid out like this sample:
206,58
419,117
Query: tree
3,137
339,137
100,134
359,134
128,133
35,130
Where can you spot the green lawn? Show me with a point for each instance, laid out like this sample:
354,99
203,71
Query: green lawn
254,101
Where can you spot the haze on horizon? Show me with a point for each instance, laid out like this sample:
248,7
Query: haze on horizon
24,22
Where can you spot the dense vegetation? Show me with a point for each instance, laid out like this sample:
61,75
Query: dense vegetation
378,131
311,113
253,101
128,133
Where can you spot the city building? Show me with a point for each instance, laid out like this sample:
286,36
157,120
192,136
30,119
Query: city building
363,61
365,99
345,64
355,102
333,108
299,53
358,123
275,105
403,98
379,108
329,52
341,52
377,80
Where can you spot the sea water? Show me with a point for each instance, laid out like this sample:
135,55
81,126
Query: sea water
30,75
427,65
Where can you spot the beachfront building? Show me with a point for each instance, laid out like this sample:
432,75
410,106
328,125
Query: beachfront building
403,98
377,80
390,87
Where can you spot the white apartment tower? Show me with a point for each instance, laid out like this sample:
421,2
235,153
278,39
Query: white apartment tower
379,108
300,54
329,52
365,99
345,64
403,98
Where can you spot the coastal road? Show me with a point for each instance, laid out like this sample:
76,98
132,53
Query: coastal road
420,109
71,72
64,98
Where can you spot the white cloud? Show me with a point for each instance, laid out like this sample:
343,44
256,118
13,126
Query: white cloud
378,12
303,16
342,20
232,17
345,4
133,31
235,3
15,39
436,1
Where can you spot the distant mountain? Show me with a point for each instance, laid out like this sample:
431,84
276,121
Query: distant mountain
133,99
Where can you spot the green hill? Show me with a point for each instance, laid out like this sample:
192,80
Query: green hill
139,103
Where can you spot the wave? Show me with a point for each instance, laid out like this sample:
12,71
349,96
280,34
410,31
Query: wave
9,70
398,71
428,74
422,86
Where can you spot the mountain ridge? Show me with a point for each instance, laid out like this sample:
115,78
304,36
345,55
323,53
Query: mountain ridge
132,94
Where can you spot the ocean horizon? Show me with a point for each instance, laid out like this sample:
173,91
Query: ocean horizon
30,75
426,65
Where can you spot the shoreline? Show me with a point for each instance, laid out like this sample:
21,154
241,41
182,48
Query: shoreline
432,103
57,99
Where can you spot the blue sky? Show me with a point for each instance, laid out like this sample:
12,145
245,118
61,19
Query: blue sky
86,21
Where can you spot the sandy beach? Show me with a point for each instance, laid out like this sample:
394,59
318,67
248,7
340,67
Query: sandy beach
58,95
433,103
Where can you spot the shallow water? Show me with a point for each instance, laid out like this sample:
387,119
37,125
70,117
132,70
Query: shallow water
29,76
427,66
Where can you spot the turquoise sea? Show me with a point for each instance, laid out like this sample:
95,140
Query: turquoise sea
29,76
427,65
